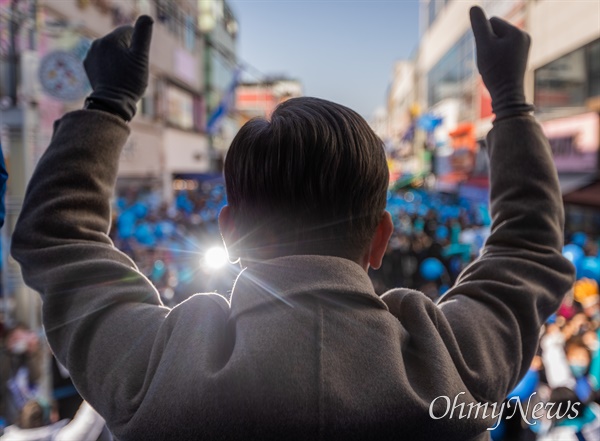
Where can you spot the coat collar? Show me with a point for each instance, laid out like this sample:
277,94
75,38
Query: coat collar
279,280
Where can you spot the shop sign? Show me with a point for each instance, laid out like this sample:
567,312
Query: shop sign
574,142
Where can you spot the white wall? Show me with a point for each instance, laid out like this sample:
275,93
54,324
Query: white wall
559,27
185,152
96,21
169,57
142,154
401,98
451,23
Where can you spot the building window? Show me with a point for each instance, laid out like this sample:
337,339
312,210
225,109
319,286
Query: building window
229,22
431,12
452,75
569,80
181,24
184,109
190,33
147,105
593,64
433,9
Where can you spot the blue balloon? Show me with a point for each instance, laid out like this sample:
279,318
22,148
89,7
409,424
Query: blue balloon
126,224
590,268
158,270
579,239
183,203
441,233
121,203
145,235
164,229
140,210
574,254
431,268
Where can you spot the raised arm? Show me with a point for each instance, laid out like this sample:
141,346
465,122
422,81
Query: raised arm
495,311
100,314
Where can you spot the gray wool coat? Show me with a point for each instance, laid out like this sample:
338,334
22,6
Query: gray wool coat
305,350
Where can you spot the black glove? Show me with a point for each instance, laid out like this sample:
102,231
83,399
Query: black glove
117,67
501,59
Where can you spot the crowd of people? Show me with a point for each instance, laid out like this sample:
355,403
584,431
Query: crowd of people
564,377
31,409
169,242
435,237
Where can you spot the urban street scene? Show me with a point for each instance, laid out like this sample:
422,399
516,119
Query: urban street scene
300,220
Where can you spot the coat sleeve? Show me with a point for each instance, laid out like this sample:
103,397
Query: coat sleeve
493,314
101,315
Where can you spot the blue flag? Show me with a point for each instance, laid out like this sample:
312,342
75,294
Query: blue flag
3,179
214,121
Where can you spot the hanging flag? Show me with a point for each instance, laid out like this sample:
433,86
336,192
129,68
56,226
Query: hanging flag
409,134
429,122
215,119
3,179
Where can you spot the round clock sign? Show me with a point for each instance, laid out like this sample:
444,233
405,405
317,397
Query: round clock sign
63,77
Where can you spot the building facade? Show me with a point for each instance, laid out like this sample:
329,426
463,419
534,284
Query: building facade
259,99
405,153
42,46
219,26
562,80
565,78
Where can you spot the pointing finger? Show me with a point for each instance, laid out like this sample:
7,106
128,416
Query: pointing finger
142,34
480,24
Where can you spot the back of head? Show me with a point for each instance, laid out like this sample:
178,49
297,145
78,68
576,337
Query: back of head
564,403
311,180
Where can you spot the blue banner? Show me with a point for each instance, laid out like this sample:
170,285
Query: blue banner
215,119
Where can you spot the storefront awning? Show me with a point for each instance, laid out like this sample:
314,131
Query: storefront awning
570,182
588,195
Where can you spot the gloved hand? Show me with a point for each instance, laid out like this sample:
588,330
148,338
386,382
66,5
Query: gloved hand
502,51
117,67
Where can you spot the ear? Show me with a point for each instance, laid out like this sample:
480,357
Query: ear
379,243
229,234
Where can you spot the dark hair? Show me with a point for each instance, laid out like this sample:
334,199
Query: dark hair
564,403
577,342
311,180
32,415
